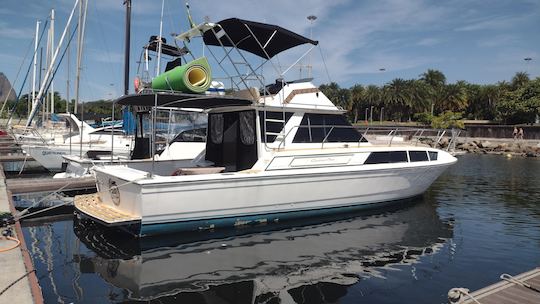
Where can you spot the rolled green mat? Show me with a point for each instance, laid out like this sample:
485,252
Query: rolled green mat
192,77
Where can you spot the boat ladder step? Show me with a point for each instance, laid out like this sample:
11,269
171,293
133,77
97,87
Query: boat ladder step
91,205
273,133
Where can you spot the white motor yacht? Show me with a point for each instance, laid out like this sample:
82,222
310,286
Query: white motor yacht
283,154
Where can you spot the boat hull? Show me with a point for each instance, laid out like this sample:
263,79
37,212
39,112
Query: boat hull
234,200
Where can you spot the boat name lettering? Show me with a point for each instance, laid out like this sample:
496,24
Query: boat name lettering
53,153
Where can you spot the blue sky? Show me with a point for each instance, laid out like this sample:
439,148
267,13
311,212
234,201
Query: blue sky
476,41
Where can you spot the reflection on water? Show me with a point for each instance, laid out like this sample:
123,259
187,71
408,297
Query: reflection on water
266,264
481,218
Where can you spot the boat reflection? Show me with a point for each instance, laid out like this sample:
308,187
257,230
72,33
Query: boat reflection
278,263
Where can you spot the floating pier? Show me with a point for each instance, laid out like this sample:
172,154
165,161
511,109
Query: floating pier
521,289
18,282
29,185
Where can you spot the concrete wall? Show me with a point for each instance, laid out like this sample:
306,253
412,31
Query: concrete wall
501,131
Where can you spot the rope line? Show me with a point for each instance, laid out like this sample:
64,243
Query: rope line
9,238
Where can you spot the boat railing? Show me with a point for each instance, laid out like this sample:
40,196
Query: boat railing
436,138
30,135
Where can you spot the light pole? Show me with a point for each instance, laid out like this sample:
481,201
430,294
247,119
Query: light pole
366,119
371,115
527,60
311,19
380,119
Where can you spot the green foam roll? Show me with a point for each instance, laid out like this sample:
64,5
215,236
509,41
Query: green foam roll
192,77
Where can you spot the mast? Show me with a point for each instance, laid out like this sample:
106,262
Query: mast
126,50
49,70
80,41
51,109
34,69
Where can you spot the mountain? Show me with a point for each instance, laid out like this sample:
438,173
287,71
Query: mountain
5,89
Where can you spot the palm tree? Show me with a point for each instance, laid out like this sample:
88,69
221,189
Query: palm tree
435,82
398,96
356,100
519,80
455,97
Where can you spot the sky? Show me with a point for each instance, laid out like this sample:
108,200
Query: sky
360,42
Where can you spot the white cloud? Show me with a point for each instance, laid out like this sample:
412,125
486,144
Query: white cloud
429,41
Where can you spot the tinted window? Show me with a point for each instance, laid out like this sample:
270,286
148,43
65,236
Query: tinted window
273,127
316,128
386,157
194,135
417,156
433,155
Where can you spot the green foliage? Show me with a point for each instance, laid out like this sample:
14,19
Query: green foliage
413,99
521,105
448,120
424,118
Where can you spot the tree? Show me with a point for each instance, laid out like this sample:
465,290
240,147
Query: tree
521,105
519,80
435,82
455,97
356,100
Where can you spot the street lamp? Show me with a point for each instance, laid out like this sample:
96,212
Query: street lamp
528,60
311,18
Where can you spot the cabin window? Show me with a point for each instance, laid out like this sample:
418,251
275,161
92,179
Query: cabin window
433,155
216,130
417,156
386,157
272,126
193,135
247,127
318,128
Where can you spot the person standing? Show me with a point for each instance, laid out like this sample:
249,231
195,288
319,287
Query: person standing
520,133
515,133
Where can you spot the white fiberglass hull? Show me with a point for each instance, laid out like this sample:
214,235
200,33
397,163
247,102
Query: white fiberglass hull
51,157
239,199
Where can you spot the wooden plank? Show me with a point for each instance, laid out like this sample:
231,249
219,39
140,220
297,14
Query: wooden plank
28,185
509,293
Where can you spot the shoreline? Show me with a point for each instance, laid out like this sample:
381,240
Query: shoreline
498,146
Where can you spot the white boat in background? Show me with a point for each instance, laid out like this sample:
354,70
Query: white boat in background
180,137
278,153
80,139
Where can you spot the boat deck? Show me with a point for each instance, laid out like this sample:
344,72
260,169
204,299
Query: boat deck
92,206
508,292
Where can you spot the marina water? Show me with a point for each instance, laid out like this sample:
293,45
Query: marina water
480,219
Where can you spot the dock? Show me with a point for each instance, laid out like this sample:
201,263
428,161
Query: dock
520,289
18,282
29,185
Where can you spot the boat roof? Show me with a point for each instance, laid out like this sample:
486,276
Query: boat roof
181,100
261,39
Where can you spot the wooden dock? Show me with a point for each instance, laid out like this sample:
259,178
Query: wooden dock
520,289
29,185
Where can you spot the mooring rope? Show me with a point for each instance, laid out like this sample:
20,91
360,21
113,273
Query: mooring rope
511,279
454,295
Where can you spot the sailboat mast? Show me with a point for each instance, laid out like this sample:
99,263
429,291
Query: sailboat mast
51,109
49,70
127,46
34,69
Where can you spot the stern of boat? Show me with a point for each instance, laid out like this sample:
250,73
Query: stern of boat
117,201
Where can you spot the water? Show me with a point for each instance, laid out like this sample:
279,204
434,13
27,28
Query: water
480,219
